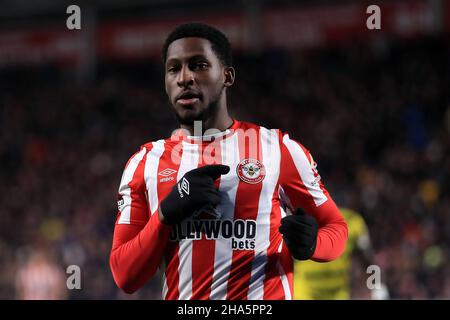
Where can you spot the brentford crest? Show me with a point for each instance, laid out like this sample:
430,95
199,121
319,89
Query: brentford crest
251,171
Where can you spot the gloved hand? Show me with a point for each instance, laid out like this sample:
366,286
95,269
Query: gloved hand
300,234
194,191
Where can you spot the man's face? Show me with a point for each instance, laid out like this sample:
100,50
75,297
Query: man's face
194,78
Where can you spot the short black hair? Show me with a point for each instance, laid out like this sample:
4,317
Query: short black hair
219,42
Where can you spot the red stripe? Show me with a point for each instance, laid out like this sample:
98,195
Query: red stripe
246,207
171,272
203,250
172,152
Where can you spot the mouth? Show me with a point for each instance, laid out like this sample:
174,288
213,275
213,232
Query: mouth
188,98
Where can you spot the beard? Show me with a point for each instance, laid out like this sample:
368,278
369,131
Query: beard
201,115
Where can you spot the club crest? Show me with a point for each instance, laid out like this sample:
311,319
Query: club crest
251,171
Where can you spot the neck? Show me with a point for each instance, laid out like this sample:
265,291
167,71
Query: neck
221,121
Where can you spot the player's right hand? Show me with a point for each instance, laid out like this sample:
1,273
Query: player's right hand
193,191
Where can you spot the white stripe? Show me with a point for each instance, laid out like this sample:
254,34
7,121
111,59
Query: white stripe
283,212
271,157
162,270
165,289
189,161
284,280
305,171
223,255
151,174
125,190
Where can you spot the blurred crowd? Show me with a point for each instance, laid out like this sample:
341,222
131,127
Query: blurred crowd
376,119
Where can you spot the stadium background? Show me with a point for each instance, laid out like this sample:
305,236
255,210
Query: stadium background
373,106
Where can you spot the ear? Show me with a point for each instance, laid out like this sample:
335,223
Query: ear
229,76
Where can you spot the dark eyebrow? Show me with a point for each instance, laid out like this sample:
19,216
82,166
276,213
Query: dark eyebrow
199,57
192,58
170,61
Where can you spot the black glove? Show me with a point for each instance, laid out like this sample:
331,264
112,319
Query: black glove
194,191
300,234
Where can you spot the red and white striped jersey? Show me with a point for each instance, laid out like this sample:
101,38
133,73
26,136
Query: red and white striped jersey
238,253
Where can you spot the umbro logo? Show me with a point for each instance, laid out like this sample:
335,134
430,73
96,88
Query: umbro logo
167,172
183,186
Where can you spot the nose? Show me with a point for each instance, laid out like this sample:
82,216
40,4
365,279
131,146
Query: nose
185,78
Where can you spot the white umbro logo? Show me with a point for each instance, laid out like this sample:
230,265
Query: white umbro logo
167,172
185,186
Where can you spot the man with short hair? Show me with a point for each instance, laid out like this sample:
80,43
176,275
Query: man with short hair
205,204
